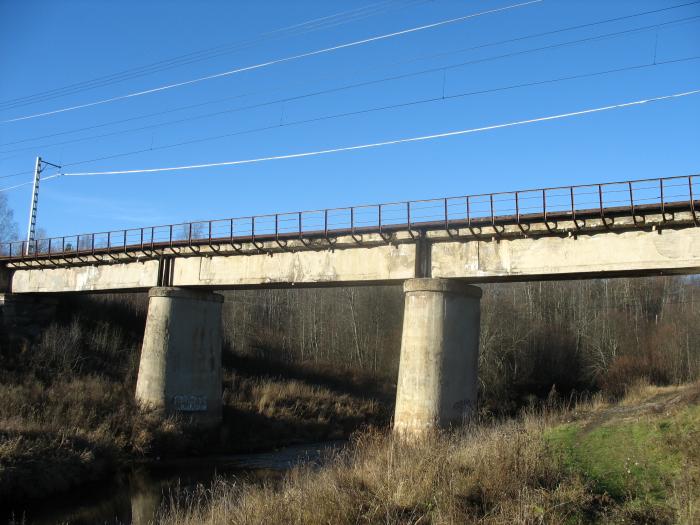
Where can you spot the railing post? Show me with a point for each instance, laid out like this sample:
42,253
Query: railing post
447,219
663,204
632,210
544,205
469,217
602,208
629,184
573,205
692,199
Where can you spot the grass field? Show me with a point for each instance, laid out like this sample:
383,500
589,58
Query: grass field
637,461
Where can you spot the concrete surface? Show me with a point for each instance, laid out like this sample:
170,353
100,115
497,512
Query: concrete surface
437,383
132,275
479,256
180,366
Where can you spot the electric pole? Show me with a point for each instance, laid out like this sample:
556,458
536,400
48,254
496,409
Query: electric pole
31,228
33,205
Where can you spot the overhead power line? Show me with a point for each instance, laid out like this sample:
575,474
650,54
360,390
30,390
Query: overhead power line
372,82
381,66
273,62
308,26
374,109
371,145
28,183
390,142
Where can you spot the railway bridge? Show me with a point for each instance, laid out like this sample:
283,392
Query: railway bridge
438,248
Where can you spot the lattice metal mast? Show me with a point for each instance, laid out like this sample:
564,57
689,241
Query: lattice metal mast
34,203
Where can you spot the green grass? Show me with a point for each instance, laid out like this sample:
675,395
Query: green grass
634,459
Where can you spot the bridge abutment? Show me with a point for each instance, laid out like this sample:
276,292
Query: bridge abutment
180,367
438,370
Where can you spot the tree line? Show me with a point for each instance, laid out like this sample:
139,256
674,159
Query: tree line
570,335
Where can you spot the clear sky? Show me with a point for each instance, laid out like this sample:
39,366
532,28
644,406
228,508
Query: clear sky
50,44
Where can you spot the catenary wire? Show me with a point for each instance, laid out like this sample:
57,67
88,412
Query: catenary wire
293,30
342,88
30,182
25,172
382,66
272,62
394,141
584,25
369,110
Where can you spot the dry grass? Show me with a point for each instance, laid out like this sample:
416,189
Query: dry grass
291,399
271,404
55,437
68,414
498,474
501,473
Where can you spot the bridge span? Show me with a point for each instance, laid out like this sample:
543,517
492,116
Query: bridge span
438,248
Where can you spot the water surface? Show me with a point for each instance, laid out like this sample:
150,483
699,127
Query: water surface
133,496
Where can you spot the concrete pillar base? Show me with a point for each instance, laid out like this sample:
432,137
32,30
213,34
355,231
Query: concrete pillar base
437,384
180,367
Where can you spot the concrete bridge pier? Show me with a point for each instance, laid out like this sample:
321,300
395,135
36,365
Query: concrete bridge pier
439,355
180,367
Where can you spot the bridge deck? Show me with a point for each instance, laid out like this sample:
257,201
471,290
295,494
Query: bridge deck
477,213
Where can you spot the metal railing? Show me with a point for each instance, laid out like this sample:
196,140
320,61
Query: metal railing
518,207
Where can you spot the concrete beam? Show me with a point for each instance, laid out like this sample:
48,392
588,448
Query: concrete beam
358,264
480,256
616,253
105,277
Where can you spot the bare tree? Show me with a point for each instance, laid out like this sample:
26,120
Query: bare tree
8,226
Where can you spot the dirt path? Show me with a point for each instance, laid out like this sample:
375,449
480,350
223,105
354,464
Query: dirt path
664,400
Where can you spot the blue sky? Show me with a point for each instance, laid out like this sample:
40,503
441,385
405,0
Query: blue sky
46,45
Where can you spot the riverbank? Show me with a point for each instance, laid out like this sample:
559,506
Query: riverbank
68,417
57,436
636,461
134,495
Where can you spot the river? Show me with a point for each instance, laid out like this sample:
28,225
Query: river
134,495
